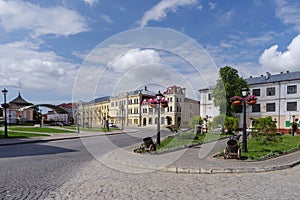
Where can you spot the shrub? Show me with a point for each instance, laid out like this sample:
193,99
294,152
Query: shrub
265,131
196,120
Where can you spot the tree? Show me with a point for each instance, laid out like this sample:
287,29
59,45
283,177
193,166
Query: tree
218,122
231,124
196,120
228,85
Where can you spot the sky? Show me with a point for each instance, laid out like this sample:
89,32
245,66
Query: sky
61,51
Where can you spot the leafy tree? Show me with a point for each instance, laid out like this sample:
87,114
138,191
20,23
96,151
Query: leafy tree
228,85
231,124
196,120
218,121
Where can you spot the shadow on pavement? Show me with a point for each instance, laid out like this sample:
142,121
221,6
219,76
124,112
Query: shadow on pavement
32,149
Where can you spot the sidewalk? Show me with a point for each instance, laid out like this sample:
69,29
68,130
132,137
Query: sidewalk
195,160
59,136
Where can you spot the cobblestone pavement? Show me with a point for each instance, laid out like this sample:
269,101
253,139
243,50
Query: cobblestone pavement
96,181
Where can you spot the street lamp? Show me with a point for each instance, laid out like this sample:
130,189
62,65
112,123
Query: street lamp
158,98
5,106
244,94
293,126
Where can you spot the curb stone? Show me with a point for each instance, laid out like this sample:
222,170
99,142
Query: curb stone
229,170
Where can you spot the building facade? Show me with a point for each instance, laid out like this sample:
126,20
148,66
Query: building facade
278,96
16,115
132,109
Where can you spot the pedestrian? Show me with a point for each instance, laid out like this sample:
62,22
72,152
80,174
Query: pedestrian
107,124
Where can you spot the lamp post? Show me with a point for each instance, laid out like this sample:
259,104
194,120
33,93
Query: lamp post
5,105
158,98
244,93
293,125
41,118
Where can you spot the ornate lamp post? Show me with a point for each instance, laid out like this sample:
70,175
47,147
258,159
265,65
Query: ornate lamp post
158,98
244,93
5,106
293,125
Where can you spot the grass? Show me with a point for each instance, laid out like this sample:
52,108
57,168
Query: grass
257,150
12,134
186,139
38,129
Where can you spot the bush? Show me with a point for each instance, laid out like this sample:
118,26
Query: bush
231,124
172,128
265,131
196,120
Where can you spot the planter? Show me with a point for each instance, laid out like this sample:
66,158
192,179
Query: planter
164,105
252,102
152,104
237,103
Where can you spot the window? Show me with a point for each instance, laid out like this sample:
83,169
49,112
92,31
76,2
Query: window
256,92
162,120
256,108
270,107
271,91
292,89
291,106
209,96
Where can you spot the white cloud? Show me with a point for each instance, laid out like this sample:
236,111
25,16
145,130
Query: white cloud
289,13
106,18
274,60
23,66
160,10
41,21
212,5
226,17
91,2
134,58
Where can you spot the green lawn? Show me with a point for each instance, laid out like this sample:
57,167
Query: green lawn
38,129
257,150
12,134
186,139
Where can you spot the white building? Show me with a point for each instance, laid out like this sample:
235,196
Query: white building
278,97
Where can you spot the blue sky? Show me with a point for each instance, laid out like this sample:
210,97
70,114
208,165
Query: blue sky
45,44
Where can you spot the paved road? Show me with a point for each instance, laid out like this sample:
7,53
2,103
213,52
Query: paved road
30,171
66,170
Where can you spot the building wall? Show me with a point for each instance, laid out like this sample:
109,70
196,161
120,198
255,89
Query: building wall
276,102
281,113
132,108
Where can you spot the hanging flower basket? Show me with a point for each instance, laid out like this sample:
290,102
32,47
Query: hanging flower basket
236,100
252,102
237,103
251,99
164,103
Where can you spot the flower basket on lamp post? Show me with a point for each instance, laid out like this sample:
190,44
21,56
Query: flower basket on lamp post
251,99
164,103
236,100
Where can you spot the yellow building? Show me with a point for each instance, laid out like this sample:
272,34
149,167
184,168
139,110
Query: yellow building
132,109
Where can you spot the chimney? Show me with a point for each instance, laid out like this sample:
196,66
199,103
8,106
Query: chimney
268,74
287,72
146,88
